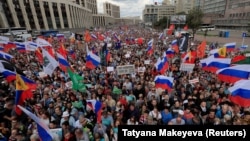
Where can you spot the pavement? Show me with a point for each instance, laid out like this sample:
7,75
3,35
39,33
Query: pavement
234,36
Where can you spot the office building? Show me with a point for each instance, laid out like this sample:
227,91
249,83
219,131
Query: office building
44,14
199,4
111,9
183,5
214,7
237,15
153,13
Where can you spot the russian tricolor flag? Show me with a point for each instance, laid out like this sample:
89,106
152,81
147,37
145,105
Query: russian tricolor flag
234,73
158,64
20,47
5,55
9,76
230,46
42,129
96,106
170,53
63,63
164,82
1,48
161,36
175,46
150,47
203,64
93,36
92,60
214,64
240,93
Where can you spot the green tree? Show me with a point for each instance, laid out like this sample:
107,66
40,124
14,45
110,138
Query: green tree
162,23
194,19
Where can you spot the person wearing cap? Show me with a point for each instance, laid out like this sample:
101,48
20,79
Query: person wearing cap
67,117
178,120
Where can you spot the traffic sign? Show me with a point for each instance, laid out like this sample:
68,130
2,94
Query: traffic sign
244,34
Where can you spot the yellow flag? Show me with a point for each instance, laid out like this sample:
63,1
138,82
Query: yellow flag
20,84
222,52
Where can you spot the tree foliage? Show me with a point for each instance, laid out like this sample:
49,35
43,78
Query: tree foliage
194,19
181,13
162,23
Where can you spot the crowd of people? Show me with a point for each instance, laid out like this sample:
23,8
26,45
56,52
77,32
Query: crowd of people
129,99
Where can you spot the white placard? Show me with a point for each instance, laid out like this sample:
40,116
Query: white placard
126,69
127,55
147,62
42,74
187,67
109,45
110,69
69,84
193,81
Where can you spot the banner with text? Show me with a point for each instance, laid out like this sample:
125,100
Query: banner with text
126,69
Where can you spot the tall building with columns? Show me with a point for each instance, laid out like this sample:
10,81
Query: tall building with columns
47,14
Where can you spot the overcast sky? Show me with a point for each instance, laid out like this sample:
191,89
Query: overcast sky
127,7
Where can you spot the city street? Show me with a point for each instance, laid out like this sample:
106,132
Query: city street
235,36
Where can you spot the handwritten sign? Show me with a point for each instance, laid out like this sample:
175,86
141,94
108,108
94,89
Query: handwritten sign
126,69
187,67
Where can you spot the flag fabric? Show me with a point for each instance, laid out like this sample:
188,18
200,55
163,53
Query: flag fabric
22,93
170,30
96,106
238,58
230,46
9,75
170,53
158,64
189,57
161,36
72,54
87,36
63,51
203,64
7,65
63,63
245,61
175,46
214,64
39,55
150,49
240,93
234,73
49,63
42,129
185,28
5,55
8,46
92,60
93,36
108,55
21,47
77,81
201,49
31,46
164,82
219,53
42,43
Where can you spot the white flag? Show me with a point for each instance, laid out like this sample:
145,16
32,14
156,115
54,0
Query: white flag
31,46
49,63
42,43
